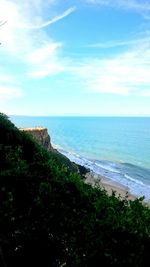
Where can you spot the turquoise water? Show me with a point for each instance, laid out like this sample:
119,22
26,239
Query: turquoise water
117,147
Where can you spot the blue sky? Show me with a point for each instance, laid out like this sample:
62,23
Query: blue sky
83,57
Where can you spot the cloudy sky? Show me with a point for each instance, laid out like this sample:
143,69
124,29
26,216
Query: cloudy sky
75,57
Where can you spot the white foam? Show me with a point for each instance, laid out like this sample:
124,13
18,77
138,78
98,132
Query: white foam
105,168
133,179
56,146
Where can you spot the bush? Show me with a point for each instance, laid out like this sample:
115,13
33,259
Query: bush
49,217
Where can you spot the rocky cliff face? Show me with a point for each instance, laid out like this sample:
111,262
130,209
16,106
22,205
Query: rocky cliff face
41,136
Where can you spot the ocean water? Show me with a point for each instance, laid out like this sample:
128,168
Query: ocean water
116,147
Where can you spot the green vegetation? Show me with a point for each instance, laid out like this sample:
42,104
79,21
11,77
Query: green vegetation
49,217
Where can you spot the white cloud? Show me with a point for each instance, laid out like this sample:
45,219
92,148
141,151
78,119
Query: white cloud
111,44
49,22
41,54
44,61
9,88
26,45
107,86
25,39
6,78
46,70
146,93
141,6
117,43
135,5
8,92
126,73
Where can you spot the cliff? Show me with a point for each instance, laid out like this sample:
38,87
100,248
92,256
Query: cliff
41,136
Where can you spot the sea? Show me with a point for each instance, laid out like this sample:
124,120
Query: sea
115,147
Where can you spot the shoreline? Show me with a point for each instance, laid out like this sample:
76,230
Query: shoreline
109,185
123,183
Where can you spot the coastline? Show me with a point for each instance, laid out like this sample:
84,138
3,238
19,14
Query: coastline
78,138
112,179
90,177
109,185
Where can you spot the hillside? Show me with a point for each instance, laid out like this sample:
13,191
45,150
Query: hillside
50,217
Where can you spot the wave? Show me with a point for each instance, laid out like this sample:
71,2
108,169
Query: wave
134,180
109,166
137,179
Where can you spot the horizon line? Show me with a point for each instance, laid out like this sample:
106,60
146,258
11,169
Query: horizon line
127,116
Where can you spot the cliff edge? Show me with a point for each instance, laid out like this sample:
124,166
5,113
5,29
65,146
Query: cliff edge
41,135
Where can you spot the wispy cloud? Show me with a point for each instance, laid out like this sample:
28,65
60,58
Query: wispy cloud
29,52
30,46
135,5
46,70
26,43
6,78
142,6
9,88
44,61
126,73
51,21
117,43
146,93
8,92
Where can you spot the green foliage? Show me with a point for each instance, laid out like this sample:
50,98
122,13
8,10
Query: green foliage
49,217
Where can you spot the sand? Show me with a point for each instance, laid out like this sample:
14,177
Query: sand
109,185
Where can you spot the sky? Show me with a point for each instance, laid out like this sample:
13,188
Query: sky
75,58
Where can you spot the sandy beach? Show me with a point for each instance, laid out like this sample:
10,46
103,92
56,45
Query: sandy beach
109,185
